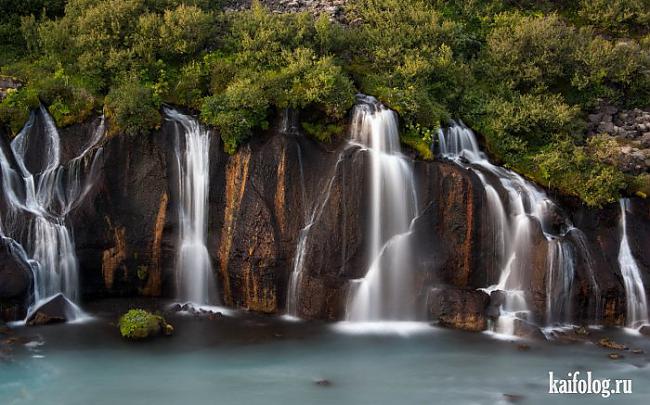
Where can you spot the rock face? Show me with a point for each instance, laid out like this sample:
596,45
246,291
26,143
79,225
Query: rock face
263,197
457,308
15,281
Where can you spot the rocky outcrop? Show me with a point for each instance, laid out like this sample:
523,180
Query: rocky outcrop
627,133
8,84
332,8
457,308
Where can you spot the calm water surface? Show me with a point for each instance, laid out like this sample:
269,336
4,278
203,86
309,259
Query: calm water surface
247,359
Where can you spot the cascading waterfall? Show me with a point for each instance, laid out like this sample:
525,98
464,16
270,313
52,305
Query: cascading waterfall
37,205
635,296
384,293
195,280
512,230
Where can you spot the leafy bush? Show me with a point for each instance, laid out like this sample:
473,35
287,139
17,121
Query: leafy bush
322,132
619,17
568,168
132,108
15,108
523,73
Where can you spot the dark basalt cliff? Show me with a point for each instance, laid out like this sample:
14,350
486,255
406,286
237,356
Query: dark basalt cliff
126,230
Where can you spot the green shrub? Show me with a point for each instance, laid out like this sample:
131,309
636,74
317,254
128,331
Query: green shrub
236,112
322,132
15,108
132,108
569,169
619,17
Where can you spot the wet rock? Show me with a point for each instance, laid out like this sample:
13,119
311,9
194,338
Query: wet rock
58,309
610,344
522,347
457,308
527,330
15,282
645,330
615,356
567,337
323,383
513,398
581,331
638,351
497,299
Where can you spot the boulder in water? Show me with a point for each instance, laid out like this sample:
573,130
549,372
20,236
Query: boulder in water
610,344
645,330
527,330
56,310
138,324
459,308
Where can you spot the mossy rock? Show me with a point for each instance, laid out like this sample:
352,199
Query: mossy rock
139,324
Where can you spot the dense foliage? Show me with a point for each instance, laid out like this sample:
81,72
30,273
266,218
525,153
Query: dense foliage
524,74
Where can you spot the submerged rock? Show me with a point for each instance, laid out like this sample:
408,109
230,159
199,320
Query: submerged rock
457,308
615,356
323,382
610,344
513,398
58,309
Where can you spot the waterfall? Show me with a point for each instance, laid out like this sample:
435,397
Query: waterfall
635,297
303,237
38,201
385,292
513,229
195,280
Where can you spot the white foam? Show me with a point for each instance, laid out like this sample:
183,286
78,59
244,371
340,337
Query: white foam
207,308
383,328
290,318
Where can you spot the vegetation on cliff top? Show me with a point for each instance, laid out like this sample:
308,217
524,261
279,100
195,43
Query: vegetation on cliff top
524,75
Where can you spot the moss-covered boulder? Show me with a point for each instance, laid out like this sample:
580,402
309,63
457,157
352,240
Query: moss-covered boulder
139,324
